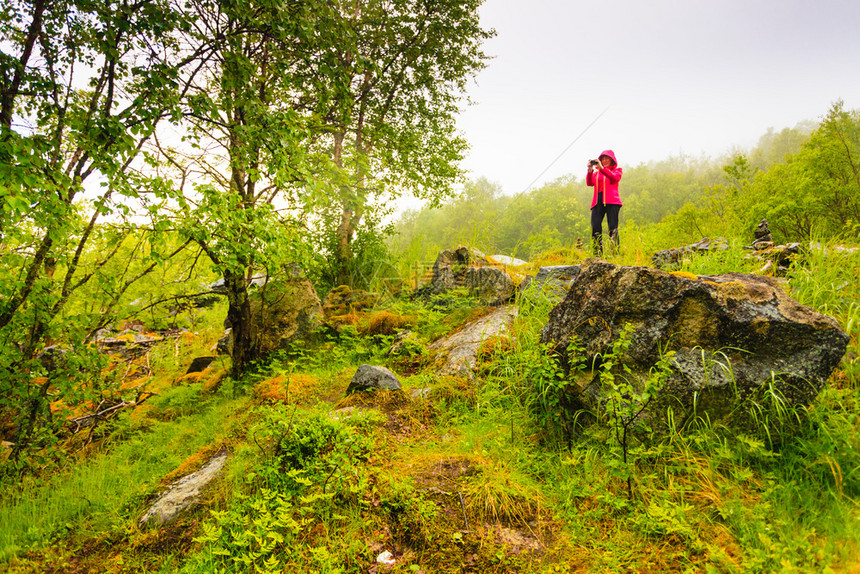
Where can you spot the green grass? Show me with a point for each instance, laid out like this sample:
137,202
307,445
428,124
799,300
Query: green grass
107,492
439,481
825,278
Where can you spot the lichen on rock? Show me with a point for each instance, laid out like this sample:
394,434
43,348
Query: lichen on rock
732,336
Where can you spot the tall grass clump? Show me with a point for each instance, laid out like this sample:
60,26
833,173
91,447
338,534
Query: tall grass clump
526,371
825,278
734,259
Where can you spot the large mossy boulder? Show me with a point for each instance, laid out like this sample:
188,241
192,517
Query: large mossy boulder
734,337
468,268
449,270
284,311
491,285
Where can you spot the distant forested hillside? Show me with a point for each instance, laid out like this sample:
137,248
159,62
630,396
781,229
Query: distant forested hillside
804,180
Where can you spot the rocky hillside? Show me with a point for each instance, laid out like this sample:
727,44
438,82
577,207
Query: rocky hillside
504,416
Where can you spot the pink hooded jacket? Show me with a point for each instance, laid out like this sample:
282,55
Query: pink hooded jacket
605,181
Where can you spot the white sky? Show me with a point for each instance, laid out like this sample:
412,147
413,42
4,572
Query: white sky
692,76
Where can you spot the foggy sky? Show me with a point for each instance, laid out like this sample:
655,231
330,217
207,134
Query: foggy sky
677,76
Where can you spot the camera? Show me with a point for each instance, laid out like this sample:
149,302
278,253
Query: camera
593,162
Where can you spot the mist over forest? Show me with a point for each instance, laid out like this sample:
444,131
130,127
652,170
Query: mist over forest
801,179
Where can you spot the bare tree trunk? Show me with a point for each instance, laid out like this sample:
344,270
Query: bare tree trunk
353,206
345,232
245,347
28,423
35,268
12,85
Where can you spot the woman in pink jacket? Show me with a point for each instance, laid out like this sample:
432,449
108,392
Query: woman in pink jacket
604,175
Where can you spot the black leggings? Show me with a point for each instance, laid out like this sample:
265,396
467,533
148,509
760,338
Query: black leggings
597,213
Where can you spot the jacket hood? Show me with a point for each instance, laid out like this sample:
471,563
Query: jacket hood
610,154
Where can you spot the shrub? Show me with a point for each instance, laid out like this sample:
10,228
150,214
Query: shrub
386,323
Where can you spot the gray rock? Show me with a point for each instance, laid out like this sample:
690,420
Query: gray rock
819,247
508,260
449,269
468,268
224,346
762,233
369,377
553,281
670,257
200,364
492,286
564,274
779,258
104,333
459,351
733,336
220,288
843,249
183,493
286,311
135,333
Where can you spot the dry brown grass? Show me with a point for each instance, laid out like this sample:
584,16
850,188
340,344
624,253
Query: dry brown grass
387,323
496,344
294,388
385,401
71,411
135,384
191,377
193,463
352,318
214,378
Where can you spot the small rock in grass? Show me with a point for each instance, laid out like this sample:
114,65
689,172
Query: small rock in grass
369,377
